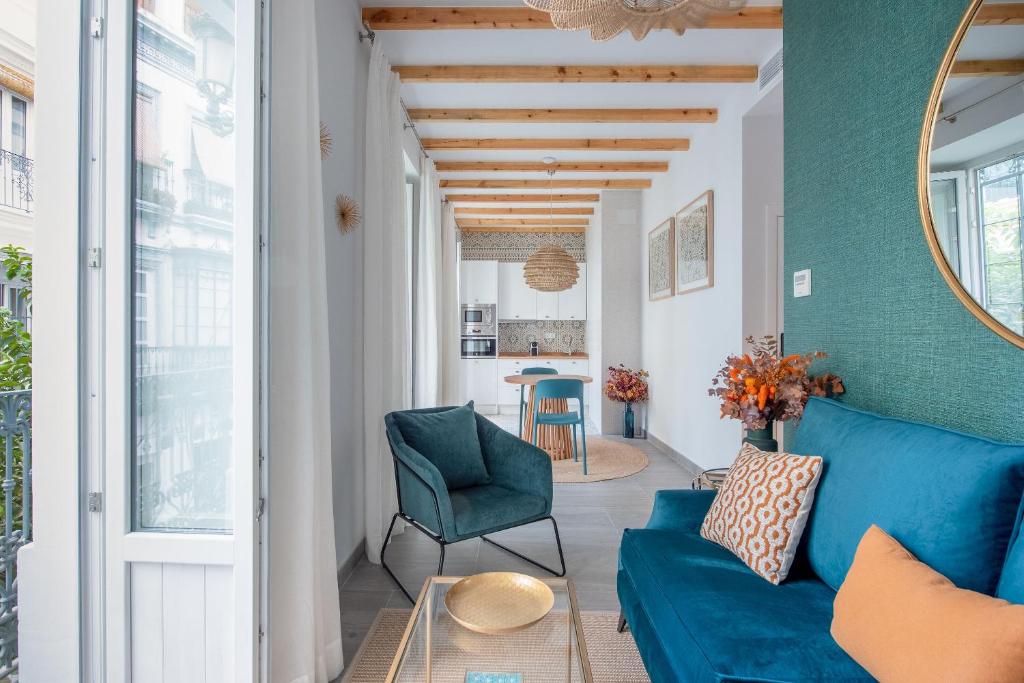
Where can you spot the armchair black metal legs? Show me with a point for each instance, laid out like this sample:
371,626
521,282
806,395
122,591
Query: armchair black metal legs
442,543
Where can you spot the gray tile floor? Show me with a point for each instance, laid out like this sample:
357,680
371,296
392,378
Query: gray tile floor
590,517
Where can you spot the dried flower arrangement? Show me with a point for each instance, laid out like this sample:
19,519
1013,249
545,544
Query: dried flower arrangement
347,213
759,387
326,141
625,385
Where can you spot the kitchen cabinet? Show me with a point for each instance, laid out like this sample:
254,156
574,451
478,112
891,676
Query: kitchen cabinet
508,394
572,303
478,282
516,301
479,382
547,306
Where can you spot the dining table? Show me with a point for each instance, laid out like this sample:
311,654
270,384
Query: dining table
555,439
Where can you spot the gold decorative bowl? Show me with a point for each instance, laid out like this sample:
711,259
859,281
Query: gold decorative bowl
496,603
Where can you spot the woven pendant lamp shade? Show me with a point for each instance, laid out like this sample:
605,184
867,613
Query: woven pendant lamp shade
606,19
551,269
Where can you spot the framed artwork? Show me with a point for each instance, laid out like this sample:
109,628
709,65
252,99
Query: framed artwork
694,245
660,275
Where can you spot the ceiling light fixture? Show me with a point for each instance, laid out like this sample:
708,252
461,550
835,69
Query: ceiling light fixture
606,19
550,268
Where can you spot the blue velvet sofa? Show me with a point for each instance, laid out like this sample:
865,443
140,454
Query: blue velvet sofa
699,615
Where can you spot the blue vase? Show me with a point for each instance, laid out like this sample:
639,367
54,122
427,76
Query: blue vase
762,438
627,422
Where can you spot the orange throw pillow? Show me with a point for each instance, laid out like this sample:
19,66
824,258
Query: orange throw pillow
904,622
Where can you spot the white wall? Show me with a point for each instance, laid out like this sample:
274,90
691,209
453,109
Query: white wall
595,311
762,194
343,67
686,338
620,232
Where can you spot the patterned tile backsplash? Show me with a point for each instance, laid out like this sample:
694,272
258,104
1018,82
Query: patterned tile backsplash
515,336
516,247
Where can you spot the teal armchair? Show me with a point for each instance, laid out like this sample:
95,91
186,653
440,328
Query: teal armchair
519,491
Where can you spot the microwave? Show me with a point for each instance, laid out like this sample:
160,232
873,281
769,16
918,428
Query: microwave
479,320
479,347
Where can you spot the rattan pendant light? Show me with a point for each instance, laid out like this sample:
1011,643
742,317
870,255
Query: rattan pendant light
550,268
606,19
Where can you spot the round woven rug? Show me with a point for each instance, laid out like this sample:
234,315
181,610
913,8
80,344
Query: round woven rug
606,459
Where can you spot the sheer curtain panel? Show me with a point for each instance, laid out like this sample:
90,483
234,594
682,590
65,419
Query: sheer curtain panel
386,335
304,624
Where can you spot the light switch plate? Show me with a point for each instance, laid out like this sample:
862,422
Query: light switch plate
802,283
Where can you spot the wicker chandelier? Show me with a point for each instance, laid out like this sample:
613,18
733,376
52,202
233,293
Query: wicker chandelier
551,269
608,18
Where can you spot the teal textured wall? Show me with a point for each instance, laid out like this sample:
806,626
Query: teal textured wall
858,75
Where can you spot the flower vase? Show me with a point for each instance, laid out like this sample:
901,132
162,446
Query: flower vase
627,422
762,438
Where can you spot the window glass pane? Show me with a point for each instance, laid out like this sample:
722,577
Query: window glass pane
1001,185
19,126
184,155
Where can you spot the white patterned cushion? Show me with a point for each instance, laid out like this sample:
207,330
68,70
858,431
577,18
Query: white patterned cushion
762,507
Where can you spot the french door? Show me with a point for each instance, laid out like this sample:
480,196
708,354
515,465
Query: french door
172,541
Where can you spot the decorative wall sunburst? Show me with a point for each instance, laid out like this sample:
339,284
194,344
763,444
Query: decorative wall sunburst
347,213
606,19
326,141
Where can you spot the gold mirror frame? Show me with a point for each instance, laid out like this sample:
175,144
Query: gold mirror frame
924,191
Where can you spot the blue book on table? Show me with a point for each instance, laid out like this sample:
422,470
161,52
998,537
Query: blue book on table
479,677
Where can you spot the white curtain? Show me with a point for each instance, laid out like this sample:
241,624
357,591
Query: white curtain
451,351
386,348
429,322
305,623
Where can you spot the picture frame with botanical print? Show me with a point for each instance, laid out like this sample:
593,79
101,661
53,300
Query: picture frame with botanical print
660,257
694,245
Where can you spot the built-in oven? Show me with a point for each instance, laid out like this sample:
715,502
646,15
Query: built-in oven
479,320
479,347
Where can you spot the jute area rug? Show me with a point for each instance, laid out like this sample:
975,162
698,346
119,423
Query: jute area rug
606,459
613,656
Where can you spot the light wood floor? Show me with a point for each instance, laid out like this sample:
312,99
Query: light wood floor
590,517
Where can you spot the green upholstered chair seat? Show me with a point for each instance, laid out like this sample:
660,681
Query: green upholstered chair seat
558,418
486,509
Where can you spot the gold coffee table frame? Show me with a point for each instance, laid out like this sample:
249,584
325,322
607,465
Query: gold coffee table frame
419,634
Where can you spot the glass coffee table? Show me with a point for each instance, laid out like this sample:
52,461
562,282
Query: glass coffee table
436,649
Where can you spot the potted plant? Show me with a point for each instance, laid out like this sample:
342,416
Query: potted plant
759,388
626,386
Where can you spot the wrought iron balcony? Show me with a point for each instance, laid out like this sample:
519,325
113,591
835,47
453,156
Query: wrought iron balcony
16,184
15,514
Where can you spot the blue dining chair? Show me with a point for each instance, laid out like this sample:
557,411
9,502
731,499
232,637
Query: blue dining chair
522,391
561,389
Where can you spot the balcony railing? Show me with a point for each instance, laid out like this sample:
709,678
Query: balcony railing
16,181
208,198
16,509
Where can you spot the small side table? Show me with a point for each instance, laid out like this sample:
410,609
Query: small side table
710,479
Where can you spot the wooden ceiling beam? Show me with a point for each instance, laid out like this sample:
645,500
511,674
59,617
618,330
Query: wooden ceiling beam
621,144
702,115
522,222
541,167
967,68
618,73
560,184
523,198
1001,14
482,18
523,211
525,229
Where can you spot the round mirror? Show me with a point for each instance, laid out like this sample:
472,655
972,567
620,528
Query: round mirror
971,168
